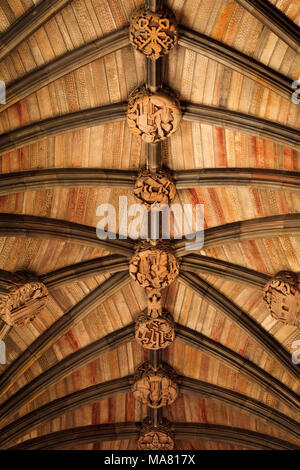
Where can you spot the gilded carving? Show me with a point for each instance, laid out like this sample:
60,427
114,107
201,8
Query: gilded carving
154,266
282,297
156,437
153,116
153,34
154,189
155,333
155,387
26,298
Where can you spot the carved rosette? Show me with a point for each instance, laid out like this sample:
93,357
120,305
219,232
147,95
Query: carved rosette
155,333
26,298
153,116
156,437
154,189
155,387
153,34
281,295
154,266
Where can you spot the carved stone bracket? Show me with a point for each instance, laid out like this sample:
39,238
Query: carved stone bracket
154,189
155,333
155,387
154,266
282,297
156,437
153,116
27,297
153,34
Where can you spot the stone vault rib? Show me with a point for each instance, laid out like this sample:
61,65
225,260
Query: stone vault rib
119,431
274,19
59,328
117,112
92,351
12,225
248,325
28,23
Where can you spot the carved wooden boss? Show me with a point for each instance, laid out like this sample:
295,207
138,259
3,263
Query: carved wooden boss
282,296
153,33
153,115
154,189
155,387
154,267
159,438
27,297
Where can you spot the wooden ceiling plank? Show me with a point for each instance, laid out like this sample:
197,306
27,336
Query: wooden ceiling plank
60,328
117,431
28,23
274,19
236,60
69,62
246,323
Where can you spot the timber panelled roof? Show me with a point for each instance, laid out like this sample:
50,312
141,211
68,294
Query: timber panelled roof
65,149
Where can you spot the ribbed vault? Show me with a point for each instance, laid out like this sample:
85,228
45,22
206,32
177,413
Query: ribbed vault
65,148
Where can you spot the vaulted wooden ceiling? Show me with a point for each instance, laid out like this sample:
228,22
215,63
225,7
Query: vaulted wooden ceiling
65,149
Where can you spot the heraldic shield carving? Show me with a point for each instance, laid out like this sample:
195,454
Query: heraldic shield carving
155,333
154,189
153,116
156,437
26,298
155,387
153,34
154,266
282,297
